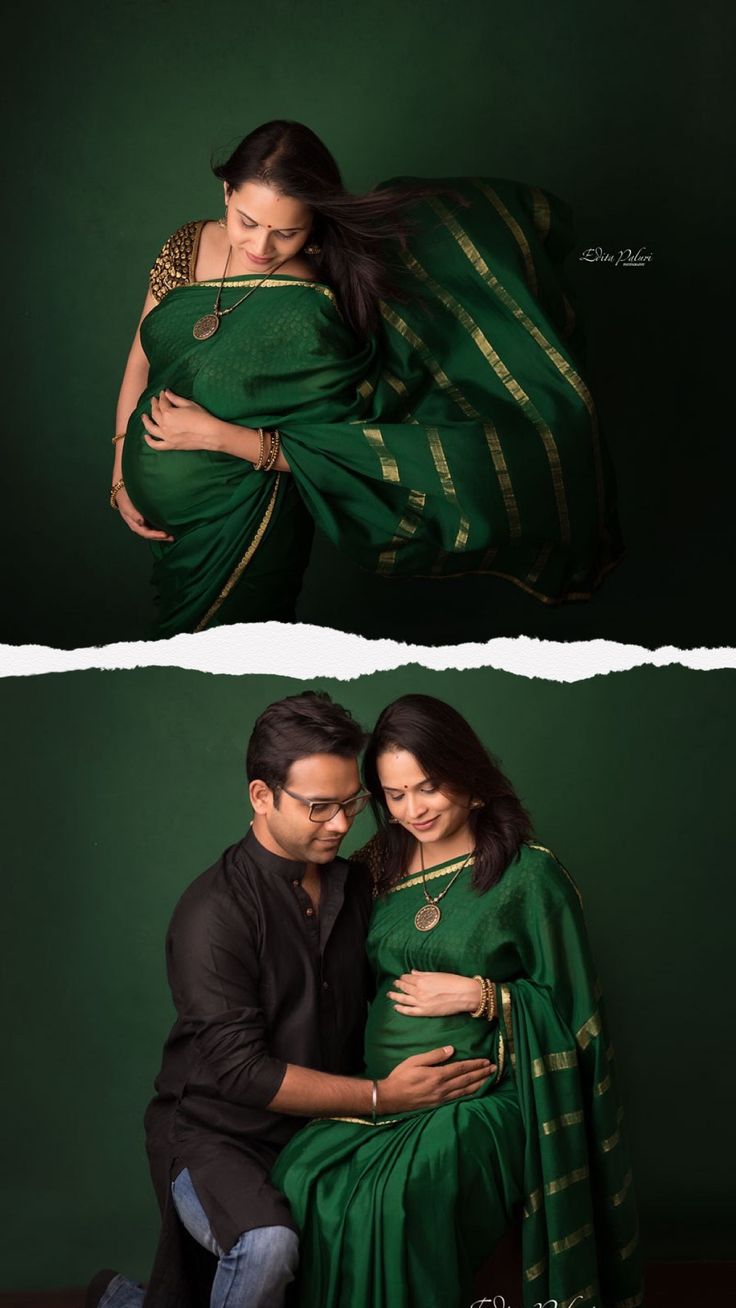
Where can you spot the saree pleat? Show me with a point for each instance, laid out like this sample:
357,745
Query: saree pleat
404,1213
461,437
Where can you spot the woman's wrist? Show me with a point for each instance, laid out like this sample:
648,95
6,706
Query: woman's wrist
227,438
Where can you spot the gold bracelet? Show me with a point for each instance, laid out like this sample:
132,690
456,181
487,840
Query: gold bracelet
114,493
273,452
261,450
120,437
480,1010
492,1002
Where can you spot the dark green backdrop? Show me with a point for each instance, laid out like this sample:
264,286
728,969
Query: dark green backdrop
111,116
122,787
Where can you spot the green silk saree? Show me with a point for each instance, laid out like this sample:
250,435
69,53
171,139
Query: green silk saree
460,438
403,1213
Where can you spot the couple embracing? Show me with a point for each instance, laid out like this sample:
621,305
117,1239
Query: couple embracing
432,1006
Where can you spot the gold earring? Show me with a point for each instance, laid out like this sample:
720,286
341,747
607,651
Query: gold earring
312,248
477,803
393,819
222,222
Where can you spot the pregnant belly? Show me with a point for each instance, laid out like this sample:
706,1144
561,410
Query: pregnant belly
180,489
391,1037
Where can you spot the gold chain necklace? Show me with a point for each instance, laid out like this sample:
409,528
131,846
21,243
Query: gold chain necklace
208,324
427,917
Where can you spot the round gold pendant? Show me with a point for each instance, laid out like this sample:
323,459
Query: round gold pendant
205,327
427,917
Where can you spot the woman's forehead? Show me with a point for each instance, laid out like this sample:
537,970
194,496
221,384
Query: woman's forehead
397,767
268,207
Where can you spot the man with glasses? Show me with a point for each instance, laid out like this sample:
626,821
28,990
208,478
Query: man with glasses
266,964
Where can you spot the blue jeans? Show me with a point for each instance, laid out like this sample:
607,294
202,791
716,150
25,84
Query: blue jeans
253,1274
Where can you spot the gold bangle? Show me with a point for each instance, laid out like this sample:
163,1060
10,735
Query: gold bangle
114,493
273,452
480,1010
120,437
261,450
492,1002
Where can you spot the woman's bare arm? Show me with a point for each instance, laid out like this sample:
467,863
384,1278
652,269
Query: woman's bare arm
135,379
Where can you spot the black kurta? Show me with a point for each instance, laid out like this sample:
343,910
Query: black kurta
258,980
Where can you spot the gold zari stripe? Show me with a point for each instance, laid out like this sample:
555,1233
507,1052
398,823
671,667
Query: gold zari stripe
531,1273
442,468
504,480
628,1249
589,1030
516,231
498,366
612,1140
569,1242
533,1203
603,1086
236,575
562,1182
404,531
618,1198
389,466
565,1119
554,1062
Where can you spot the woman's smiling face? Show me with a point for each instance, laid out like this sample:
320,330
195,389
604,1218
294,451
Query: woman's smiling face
415,800
264,227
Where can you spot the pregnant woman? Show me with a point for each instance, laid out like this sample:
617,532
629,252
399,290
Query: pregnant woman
396,367
477,941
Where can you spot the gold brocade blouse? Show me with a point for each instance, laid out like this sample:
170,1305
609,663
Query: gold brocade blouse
175,265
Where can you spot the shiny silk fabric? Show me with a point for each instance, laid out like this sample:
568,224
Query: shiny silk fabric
460,438
403,1213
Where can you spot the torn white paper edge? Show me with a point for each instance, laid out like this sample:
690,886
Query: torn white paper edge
307,652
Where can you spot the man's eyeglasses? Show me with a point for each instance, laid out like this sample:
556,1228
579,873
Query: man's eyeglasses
323,810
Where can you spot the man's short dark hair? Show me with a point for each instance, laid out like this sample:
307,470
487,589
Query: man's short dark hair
296,727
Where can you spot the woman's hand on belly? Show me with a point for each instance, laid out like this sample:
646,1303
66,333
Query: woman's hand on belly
135,520
179,424
434,994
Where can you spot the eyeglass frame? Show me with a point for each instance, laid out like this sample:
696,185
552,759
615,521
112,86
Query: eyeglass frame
339,804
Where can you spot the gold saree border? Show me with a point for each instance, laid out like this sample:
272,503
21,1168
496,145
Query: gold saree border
544,850
508,1022
269,284
242,565
416,879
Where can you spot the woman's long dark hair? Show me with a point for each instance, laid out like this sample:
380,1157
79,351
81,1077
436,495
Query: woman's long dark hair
358,235
449,752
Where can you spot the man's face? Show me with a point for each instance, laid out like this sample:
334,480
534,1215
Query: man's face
282,822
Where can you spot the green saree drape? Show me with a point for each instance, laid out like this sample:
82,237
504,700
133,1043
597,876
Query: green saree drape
461,437
402,1214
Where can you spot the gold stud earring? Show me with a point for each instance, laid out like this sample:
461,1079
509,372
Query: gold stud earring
222,222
